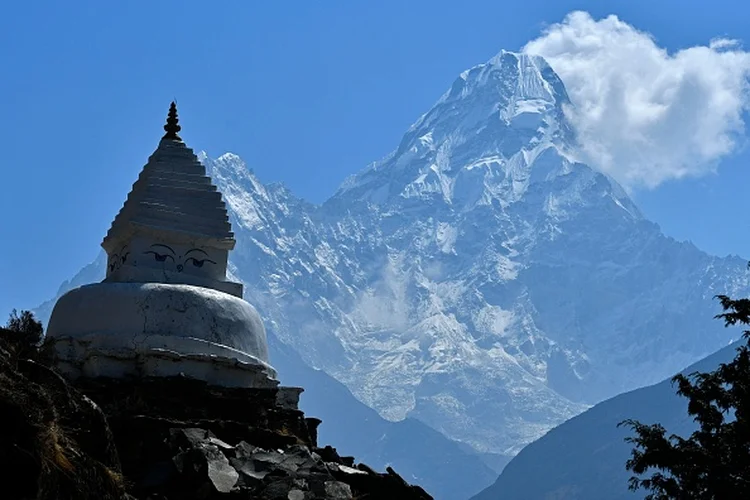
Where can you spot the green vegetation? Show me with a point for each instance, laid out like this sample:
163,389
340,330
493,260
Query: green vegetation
22,334
714,462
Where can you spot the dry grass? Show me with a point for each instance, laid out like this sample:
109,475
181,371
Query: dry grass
51,451
39,448
287,432
116,479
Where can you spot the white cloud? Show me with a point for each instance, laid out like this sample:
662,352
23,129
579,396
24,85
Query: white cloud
644,115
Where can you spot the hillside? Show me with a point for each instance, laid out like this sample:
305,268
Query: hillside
130,439
584,458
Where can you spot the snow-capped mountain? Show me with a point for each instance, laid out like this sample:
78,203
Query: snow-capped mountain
478,278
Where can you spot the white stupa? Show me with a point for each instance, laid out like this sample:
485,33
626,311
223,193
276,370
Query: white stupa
166,307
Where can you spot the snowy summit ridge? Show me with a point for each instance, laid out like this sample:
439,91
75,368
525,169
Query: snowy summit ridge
510,93
478,278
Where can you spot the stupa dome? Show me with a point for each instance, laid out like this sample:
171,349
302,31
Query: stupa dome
165,306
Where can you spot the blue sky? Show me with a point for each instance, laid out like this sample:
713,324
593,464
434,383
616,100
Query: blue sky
306,92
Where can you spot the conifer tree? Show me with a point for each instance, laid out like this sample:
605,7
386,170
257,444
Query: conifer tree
714,462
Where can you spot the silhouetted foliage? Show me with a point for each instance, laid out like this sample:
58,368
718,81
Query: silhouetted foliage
23,333
714,462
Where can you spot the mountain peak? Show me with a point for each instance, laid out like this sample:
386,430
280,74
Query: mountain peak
514,77
508,88
480,139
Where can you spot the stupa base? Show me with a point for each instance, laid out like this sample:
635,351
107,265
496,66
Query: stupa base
145,356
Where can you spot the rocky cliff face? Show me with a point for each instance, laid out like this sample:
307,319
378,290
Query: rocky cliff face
170,438
479,278
55,444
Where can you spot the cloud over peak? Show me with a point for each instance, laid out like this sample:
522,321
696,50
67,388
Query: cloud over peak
643,115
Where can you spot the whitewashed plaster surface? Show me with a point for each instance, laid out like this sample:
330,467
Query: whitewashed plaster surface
160,329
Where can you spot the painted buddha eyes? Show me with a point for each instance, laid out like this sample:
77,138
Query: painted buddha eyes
170,254
160,257
198,262
164,252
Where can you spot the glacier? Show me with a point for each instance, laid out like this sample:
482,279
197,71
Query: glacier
478,278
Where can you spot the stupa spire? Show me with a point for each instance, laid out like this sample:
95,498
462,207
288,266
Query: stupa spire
172,126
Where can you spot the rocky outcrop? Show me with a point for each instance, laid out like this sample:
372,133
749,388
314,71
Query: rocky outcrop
55,443
167,439
184,439
194,462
